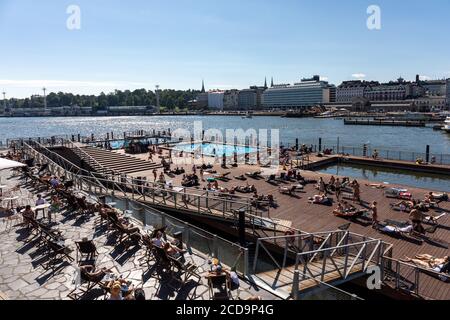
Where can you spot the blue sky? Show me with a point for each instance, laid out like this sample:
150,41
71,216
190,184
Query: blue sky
231,44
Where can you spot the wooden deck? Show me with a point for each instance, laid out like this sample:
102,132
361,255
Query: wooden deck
298,213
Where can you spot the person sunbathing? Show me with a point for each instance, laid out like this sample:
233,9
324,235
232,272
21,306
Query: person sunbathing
404,205
241,177
345,210
94,275
408,229
320,199
288,190
376,185
172,250
429,262
159,240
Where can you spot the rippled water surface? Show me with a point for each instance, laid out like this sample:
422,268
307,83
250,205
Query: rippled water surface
306,129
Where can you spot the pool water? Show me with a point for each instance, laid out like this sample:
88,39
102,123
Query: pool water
429,181
213,149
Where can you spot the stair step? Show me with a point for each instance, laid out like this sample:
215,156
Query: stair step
119,162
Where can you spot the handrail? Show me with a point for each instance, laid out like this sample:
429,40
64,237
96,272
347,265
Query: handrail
71,165
82,154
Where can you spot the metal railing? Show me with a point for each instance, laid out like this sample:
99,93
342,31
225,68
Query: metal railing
210,245
369,151
408,277
318,258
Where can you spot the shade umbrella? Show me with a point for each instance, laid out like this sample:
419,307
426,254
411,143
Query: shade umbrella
9,164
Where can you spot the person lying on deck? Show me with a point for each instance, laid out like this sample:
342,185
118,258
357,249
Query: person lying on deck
288,190
320,199
246,189
345,210
429,262
396,230
376,185
404,205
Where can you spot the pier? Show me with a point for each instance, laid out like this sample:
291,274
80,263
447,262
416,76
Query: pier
392,123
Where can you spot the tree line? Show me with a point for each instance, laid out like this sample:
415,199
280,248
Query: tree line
169,99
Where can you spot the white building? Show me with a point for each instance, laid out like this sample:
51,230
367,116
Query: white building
215,99
307,93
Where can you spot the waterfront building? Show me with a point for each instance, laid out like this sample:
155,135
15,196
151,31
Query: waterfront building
307,93
349,90
250,99
247,99
215,99
231,99
434,87
429,103
448,92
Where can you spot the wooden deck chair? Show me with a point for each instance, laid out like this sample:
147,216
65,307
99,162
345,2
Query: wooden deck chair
187,269
86,250
84,283
219,287
149,255
55,252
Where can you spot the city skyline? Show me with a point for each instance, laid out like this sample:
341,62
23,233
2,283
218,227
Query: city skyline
150,43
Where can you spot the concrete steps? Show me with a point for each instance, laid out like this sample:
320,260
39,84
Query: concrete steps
119,162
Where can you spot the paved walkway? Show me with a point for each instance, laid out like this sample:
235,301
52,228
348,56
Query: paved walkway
22,275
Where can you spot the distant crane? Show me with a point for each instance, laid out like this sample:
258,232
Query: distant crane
45,99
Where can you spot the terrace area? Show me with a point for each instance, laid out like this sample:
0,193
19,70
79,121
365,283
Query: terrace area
28,270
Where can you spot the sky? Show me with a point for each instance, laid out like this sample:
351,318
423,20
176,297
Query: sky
230,44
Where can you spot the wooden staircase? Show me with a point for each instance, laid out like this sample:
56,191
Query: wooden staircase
118,162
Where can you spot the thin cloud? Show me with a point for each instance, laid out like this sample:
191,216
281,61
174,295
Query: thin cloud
323,78
425,78
358,75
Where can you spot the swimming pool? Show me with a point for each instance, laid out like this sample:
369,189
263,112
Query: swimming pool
120,144
429,181
213,149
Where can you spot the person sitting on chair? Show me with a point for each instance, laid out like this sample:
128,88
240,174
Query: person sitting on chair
40,201
28,214
159,241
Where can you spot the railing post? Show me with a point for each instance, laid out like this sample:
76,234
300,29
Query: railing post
397,275
255,260
215,247
417,279
295,285
246,262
